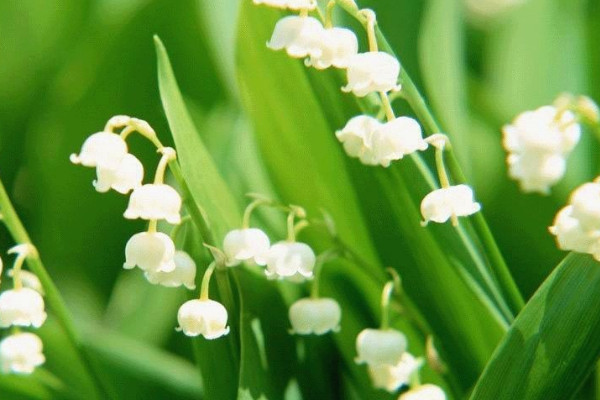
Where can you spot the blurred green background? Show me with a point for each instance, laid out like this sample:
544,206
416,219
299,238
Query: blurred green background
66,66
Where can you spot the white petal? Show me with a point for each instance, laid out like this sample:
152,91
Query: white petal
290,260
424,392
246,245
103,149
299,36
372,72
380,347
155,201
397,138
337,46
184,273
203,317
21,353
441,204
151,252
22,307
315,316
126,177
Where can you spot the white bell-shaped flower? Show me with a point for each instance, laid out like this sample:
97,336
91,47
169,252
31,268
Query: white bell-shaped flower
151,252
250,244
29,280
299,36
441,204
203,317
184,273
22,307
155,201
104,149
424,392
292,260
570,234
585,201
21,353
336,47
393,377
372,72
395,139
380,347
295,5
536,172
315,316
356,138
126,177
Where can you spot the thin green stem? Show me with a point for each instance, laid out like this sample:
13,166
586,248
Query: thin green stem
387,106
18,265
386,296
250,209
291,231
152,225
53,297
206,281
329,14
371,21
168,155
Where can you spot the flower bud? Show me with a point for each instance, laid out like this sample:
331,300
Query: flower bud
299,36
104,149
315,316
21,307
183,274
127,176
151,252
395,139
249,244
291,260
424,392
155,201
335,48
372,72
29,280
393,377
21,353
441,204
203,317
380,347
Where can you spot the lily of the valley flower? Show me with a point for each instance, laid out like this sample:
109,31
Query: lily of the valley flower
397,138
356,138
372,72
102,149
127,176
203,317
184,273
291,260
424,392
442,204
28,279
315,316
151,252
21,353
153,202
336,46
250,244
393,377
289,4
22,307
300,36
377,347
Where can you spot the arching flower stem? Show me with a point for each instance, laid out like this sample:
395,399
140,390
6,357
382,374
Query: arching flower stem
204,288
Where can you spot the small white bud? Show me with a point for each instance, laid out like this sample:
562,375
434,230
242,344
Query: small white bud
295,5
126,177
184,273
356,138
336,47
299,36
441,204
372,72
29,280
21,307
154,201
102,149
203,317
315,316
393,377
249,244
21,353
437,140
395,139
292,260
151,252
118,121
380,347
424,392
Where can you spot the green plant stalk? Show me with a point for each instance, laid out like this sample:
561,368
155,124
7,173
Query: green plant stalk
417,102
53,297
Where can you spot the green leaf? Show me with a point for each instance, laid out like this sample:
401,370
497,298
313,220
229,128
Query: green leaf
553,344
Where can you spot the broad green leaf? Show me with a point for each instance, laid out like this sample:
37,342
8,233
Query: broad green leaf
553,344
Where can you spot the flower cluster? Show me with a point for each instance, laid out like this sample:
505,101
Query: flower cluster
22,307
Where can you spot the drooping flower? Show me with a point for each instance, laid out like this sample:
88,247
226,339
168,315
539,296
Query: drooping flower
356,138
372,72
291,260
126,177
154,201
393,377
203,317
299,36
104,149
335,48
442,204
586,205
315,316
250,244
424,392
289,4
21,353
377,347
570,234
184,273
151,252
395,139
22,307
